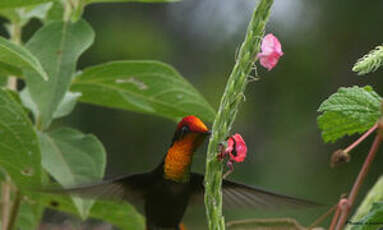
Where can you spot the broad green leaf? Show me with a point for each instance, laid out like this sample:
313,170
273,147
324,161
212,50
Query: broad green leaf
73,158
3,80
349,111
20,3
17,56
373,220
122,215
19,146
57,45
67,105
142,1
56,12
142,86
27,101
8,70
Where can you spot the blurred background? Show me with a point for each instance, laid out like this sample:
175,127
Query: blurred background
321,41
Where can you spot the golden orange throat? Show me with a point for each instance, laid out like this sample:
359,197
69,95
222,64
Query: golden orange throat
178,159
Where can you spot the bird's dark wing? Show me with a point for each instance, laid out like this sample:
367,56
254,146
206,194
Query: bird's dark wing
130,188
239,195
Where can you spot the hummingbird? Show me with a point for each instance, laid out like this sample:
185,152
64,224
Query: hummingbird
167,190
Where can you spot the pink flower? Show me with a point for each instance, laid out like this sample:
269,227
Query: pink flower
236,147
236,150
271,51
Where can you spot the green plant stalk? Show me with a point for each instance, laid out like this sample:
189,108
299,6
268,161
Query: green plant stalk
232,96
374,195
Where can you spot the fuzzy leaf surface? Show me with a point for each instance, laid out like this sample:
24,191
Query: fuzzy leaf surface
16,56
73,158
142,86
57,45
348,111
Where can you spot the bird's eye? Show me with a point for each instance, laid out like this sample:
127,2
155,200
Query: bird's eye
184,130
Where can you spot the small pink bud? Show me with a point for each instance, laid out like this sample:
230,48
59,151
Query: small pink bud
271,51
236,147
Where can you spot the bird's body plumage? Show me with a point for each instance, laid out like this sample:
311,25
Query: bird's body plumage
167,190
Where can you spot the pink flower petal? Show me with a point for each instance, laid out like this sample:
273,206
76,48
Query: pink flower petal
237,147
271,51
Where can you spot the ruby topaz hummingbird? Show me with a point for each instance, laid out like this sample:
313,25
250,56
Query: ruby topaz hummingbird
167,190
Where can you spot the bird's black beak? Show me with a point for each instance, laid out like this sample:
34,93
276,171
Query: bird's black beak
208,133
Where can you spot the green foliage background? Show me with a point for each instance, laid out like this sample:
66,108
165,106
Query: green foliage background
278,120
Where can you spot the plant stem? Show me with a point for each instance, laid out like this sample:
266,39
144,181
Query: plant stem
15,211
359,180
5,203
360,139
374,195
323,217
227,112
335,218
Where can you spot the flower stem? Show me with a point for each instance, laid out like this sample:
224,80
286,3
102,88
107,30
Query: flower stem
323,217
359,180
232,96
360,139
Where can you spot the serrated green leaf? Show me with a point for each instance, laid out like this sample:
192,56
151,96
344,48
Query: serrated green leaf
57,45
122,215
20,3
349,111
335,125
17,56
373,220
73,158
142,86
19,147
